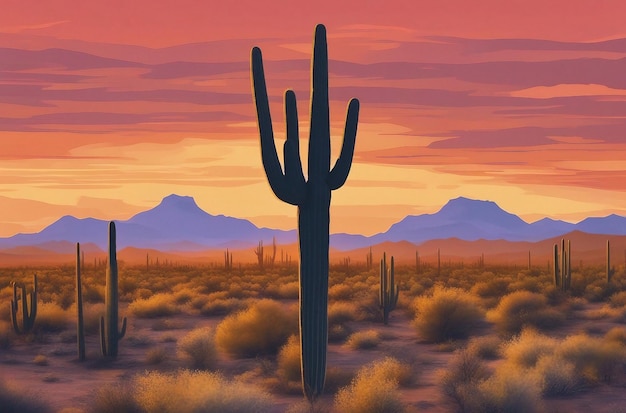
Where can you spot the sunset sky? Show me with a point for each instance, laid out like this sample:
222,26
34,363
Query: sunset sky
107,107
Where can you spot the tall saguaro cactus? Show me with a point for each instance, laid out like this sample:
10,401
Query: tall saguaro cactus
109,335
388,290
80,327
29,311
563,271
609,270
312,196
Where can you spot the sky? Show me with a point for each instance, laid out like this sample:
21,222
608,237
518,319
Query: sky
107,107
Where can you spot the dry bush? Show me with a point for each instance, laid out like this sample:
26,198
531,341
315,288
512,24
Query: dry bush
341,312
261,329
373,390
159,305
449,313
523,308
340,292
156,355
485,347
17,400
50,318
617,334
526,349
195,391
222,306
594,359
115,398
6,335
393,369
464,372
556,377
40,360
364,340
198,349
289,360
290,290
510,391
618,300
91,317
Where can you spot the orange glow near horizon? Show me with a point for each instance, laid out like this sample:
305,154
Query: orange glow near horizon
106,108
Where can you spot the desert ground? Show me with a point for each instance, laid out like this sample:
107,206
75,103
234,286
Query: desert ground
462,338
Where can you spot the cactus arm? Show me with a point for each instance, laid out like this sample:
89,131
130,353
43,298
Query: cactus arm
33,303
291,152
319,138
269,156
338,175
14,306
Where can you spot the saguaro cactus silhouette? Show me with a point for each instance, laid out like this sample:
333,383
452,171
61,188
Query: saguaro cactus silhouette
109,335
312,196
29,311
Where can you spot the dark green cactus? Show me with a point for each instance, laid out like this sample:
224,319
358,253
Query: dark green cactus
109,334
609,271
388,290
29,307
562,265
312,197
80,329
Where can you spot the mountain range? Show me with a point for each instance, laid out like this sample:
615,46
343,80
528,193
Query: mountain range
177,223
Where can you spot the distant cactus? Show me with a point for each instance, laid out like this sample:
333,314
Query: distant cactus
228,260
29,307
312,197
258,251
80,329
609,270
109,335
562,265
388,290
369,260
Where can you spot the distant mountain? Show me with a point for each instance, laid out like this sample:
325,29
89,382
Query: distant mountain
177,223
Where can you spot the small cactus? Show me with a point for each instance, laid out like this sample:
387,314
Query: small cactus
609,270
388,290
29,307
109,335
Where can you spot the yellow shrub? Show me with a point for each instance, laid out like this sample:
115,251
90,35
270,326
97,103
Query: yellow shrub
198,348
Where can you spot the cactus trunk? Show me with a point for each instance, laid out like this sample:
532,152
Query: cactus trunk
80,331
109,334
29,307
312,197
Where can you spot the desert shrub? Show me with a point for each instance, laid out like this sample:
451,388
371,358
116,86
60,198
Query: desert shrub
340,292
16,400
527,348
6,335
198,348
617,334
40,360
485,347
336,378
507,391
289,290
594,359
556,377
158,305
338,332
91,317
341,312
222,306
289,360
373,390
156,355
115,398
196,391
618,299
523,308
261,329
363,340
50,318
449,313
392,369
464,372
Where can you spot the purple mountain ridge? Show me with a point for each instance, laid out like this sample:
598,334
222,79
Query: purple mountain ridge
177,223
